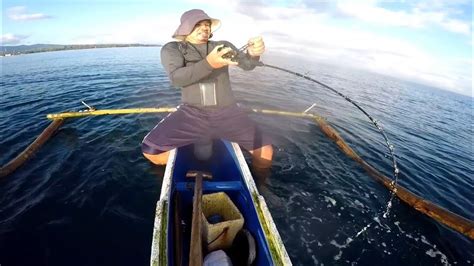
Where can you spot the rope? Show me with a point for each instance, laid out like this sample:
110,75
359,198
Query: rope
218,236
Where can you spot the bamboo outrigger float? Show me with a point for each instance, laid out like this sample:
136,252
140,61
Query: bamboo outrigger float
449,219
19,160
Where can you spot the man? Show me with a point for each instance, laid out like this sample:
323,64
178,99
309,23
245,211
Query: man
209,111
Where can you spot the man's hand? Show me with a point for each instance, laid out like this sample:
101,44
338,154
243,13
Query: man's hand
256,46
214,58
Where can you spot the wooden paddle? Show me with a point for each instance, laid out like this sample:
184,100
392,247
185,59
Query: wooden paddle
195,252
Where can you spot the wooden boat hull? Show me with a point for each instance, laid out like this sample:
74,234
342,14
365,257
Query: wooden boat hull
230,175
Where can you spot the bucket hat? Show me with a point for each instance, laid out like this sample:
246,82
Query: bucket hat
189,19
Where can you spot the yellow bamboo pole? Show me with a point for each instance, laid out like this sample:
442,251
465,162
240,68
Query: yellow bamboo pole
110,112
158,110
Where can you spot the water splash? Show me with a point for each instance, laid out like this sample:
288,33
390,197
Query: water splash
376,219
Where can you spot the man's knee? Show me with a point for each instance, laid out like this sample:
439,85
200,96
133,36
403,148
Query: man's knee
267,152
263,153
159,159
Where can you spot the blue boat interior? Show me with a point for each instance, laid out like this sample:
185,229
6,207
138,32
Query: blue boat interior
227,177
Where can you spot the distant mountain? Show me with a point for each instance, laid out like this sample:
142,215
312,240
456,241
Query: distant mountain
24,48
38,48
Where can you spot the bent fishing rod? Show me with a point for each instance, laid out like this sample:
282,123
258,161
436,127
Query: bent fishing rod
234,56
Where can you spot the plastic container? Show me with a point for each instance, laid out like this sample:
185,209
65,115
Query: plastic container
217,258
220,235
203,149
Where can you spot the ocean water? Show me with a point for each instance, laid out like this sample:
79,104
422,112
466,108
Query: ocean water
88,196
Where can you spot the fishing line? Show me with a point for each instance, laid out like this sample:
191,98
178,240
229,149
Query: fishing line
376,123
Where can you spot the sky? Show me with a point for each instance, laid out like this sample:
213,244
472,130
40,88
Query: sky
429,41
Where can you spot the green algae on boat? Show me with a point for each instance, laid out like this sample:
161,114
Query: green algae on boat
159,236
274,245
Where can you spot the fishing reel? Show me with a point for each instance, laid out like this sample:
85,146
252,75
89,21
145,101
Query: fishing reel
232,55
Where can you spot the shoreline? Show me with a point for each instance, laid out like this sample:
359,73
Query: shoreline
54,48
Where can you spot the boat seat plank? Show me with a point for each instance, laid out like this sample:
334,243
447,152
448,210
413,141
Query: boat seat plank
211,186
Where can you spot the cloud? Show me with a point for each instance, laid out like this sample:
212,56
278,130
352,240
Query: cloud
416,17
19,13
146,30
456,26
11,39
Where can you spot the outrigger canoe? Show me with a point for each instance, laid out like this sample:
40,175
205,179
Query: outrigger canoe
172,236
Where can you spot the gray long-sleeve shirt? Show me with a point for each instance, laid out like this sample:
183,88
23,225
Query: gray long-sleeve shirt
186,66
